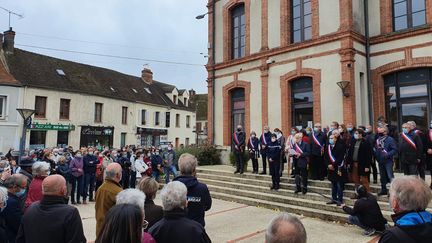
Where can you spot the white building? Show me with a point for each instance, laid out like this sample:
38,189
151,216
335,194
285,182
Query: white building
81,105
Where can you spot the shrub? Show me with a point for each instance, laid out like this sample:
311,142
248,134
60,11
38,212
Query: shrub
245,159
206,154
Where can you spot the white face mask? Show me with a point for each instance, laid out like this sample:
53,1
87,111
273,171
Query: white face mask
273,140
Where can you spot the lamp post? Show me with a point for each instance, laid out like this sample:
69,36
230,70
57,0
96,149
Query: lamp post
26,115
343,85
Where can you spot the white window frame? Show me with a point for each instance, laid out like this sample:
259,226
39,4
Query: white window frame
4,108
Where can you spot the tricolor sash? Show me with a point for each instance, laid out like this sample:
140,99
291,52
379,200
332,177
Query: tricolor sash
291,144
236,139
263,140
409,140
251,143
315,139
298,149
332,158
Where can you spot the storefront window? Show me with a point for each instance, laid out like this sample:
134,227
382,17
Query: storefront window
62,139
37,139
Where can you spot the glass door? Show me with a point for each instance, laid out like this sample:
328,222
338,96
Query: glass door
416,110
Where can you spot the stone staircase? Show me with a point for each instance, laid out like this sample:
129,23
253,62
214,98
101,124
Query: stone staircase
254,190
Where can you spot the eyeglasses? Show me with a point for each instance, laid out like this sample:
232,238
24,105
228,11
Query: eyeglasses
145,224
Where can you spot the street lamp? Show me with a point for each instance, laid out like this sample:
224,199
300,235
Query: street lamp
26,115
201,16
343,85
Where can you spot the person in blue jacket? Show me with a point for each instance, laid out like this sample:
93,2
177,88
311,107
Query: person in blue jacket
156,161
198,195
385,149
90,163
301,157
273,154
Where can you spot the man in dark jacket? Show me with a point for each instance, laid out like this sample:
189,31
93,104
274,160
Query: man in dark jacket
366,212
90,164
175,226
239,147
51,219
198,195
411,150
385,149
273,154
317,141
409,198
16,186
301,160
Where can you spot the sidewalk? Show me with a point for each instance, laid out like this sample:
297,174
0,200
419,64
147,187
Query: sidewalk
233,222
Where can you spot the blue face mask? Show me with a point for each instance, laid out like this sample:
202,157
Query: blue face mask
293,132
331,141
349,129
404,130
356,136
316,129
308,132
21,192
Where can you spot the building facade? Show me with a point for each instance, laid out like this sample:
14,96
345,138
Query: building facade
82,105
282,63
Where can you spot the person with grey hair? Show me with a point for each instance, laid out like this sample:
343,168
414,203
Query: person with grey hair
285,228
409,198
40,171
411,149
199,199
175,226
384,151
131,196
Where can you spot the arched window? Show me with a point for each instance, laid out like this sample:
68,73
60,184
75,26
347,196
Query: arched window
238,31
302,102
237,107
408,14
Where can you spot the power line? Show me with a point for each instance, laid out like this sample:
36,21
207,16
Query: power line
105,44
113,56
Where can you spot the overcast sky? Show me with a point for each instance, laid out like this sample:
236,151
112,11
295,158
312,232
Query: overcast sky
163,30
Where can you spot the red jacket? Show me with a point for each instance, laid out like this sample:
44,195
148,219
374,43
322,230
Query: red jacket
35,191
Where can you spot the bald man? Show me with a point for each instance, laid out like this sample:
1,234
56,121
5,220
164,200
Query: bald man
52,215
107,192
286,228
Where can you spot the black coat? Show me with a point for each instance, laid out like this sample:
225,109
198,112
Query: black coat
12,215
90,163
364,157
239,144
153,212
338,152
368,211
302,160
315,149
51,220
199,199
176,227
409,155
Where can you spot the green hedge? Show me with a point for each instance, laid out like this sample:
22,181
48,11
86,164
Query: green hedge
206,154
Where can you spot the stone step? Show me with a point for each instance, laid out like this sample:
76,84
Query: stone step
317,187
283,207
285,178
283,192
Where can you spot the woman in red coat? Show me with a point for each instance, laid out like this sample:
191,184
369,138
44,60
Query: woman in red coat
40,172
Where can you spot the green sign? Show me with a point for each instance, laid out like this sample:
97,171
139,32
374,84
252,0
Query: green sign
58,127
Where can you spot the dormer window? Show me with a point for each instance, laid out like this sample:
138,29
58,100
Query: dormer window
175,99
185,101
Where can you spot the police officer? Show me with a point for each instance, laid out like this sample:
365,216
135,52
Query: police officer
263,141
239,146
273,153
411,149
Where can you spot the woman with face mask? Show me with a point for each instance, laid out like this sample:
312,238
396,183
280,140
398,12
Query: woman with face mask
301,158
289,146
359,159
77,177
254,152
337,172
40,171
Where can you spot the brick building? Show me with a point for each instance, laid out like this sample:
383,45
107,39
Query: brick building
281,62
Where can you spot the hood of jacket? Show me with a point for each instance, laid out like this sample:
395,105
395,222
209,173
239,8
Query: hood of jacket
189,181
412,218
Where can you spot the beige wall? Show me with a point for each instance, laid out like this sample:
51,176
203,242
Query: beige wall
329,17
374,18
274,15
255,23
358,15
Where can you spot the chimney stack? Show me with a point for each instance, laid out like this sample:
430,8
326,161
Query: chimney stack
9,41
147,76
192,93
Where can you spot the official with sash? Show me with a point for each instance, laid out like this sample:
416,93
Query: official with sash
317,141
421,167
301,154
254,152
337,172
239,146
411,148
265,139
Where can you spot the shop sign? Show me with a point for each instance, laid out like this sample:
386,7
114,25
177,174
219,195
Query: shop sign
48,126
97,131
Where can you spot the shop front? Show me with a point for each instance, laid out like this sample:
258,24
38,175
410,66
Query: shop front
38,134
96,136
152,137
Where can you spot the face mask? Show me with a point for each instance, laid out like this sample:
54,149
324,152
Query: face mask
266,131
340,130
253,136
405,130
21,192
91,153
367,130
148,154
78,155
273,140
55,154
124,155
157,153
331,141
293,132
169,148
308,132
331,129
316,129
238,129
349,129
356,136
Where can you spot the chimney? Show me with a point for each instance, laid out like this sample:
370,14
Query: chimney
9,41
147,76
192,93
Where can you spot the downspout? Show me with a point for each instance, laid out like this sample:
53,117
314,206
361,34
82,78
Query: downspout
213,70
368,64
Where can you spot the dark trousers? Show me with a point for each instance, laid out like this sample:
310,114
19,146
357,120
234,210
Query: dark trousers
89,185
264,162
125,178
386,174
239,160
409,169
274,167
255,165
77,188
374,170
317,167
132,181
301,178
421,168
337,191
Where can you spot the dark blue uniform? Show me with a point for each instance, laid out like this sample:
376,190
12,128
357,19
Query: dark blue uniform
273,153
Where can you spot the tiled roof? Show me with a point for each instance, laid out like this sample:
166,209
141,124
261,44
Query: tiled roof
40,71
